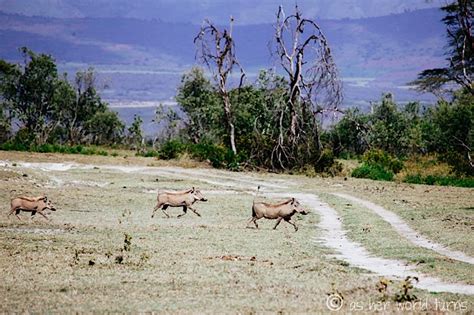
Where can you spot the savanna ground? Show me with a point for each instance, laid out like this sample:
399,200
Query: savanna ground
84,260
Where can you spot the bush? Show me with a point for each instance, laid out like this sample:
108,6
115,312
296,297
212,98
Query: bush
374,171
217,155
440,180
327,164
171,149
382,159
378,165
149,153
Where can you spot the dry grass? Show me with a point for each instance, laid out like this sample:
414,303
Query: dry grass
210,264
425,166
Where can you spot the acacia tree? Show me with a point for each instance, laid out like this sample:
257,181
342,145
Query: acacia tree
216,49
314,87
86,102
460,53
32,94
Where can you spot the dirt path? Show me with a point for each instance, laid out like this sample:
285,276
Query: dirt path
334,237
333,234
406,231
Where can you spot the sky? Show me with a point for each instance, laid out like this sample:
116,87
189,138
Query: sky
194,11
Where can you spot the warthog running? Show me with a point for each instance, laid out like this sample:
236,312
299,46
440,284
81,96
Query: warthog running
280,211
183,199
31,204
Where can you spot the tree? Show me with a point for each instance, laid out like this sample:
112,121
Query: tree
450,131
81,105
351,134
31,93
460,53
314,87
389,130
169,120
105,128
216,49
200,102
8,75
135,133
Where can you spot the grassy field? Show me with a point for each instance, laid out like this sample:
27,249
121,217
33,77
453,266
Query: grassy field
84,260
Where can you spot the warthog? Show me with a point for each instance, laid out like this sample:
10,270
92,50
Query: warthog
280,211
31,204
183,199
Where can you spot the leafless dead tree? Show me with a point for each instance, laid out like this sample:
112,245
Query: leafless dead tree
216,49
314,86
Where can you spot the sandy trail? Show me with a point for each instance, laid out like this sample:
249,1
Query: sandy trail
406,231
333,235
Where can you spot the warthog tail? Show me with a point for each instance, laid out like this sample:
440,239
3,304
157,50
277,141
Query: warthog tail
256,195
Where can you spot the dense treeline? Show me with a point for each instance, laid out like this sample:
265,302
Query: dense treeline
444,129
274,123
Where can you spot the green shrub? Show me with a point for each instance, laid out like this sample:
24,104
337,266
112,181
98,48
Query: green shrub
218,156
209,152
383,159
440,180
327,164
171,149
375,172
149,153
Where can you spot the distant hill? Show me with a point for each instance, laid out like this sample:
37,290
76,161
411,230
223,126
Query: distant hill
143,60
194,11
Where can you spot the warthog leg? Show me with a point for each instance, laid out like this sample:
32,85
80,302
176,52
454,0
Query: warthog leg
44,215
278,222
194,210
17,211
254,220
288,220
154,210
164,210
185,209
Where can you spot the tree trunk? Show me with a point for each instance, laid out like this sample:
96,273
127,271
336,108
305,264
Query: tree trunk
229,120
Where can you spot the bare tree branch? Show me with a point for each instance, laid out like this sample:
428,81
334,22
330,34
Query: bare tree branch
304,54
216,49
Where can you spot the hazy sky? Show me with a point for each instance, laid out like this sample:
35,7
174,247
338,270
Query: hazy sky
193,11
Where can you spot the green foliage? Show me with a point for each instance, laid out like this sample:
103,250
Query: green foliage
440,180
49,108
378,165
218,156
135,133
460,51
450,131
169,121
106,128
52,148
389,127
371,171
349,135
171,149
327,164
201,104
381,158
31,93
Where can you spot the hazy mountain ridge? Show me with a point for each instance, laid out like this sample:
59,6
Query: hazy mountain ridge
194,11
143,59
